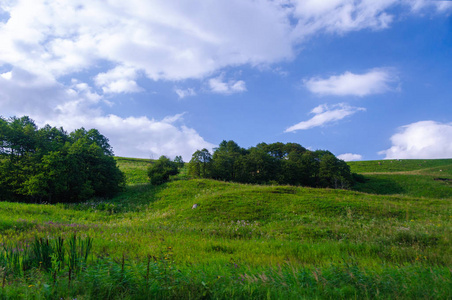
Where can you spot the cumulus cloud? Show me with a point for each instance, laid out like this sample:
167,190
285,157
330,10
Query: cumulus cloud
218,85
325,114
132,136
22,93
348,84
423,139
170,40
140,136
48,102
46,43
175,40
350,157
118,80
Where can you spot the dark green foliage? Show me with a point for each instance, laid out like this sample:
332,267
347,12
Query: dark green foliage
200,165
162,169
225,161
271,163
49,165
179,161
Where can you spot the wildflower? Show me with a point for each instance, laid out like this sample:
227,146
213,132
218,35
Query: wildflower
30,285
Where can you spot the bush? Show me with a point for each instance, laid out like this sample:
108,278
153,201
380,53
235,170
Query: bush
161,170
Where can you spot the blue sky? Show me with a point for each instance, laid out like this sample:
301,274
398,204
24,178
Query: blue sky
364,79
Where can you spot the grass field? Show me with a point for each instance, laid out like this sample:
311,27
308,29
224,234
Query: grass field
415,178
388,238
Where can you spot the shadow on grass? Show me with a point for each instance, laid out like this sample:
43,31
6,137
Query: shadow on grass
133,198
379,186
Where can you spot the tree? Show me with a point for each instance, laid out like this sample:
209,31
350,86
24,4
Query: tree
224,159
47,164
333,172
180,163
200,165
257,166
288,163
161,170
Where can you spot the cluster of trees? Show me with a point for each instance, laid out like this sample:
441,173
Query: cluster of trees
271,163
50,165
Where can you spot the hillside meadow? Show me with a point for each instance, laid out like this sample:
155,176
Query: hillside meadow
389,237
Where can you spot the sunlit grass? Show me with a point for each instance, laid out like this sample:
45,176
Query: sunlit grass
243,241
395,165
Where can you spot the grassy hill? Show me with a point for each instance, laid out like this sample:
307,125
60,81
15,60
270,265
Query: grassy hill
415,178
390,237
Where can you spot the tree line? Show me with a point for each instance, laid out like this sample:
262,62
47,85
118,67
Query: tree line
50,165
277,163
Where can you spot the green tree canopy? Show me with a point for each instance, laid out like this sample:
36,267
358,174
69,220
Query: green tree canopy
200,165
288,163
50,165
161,170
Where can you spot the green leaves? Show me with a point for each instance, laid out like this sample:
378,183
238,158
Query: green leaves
161,170
271,163
49,165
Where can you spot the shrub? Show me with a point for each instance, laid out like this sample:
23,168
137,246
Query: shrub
161,170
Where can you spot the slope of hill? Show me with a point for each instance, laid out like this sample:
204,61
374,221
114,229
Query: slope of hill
398,165
241,242
415,178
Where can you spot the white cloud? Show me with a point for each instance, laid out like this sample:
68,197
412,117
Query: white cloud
348,84
342,16
77,106
166,39
182,93
132,136
417,5
422,140
173,119
44,43
6,75
175,40
140,136
350,157
217,85
118,80
325,114
23,93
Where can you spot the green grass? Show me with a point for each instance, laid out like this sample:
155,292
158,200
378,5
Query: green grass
414,178
404,165
246,241
135,168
